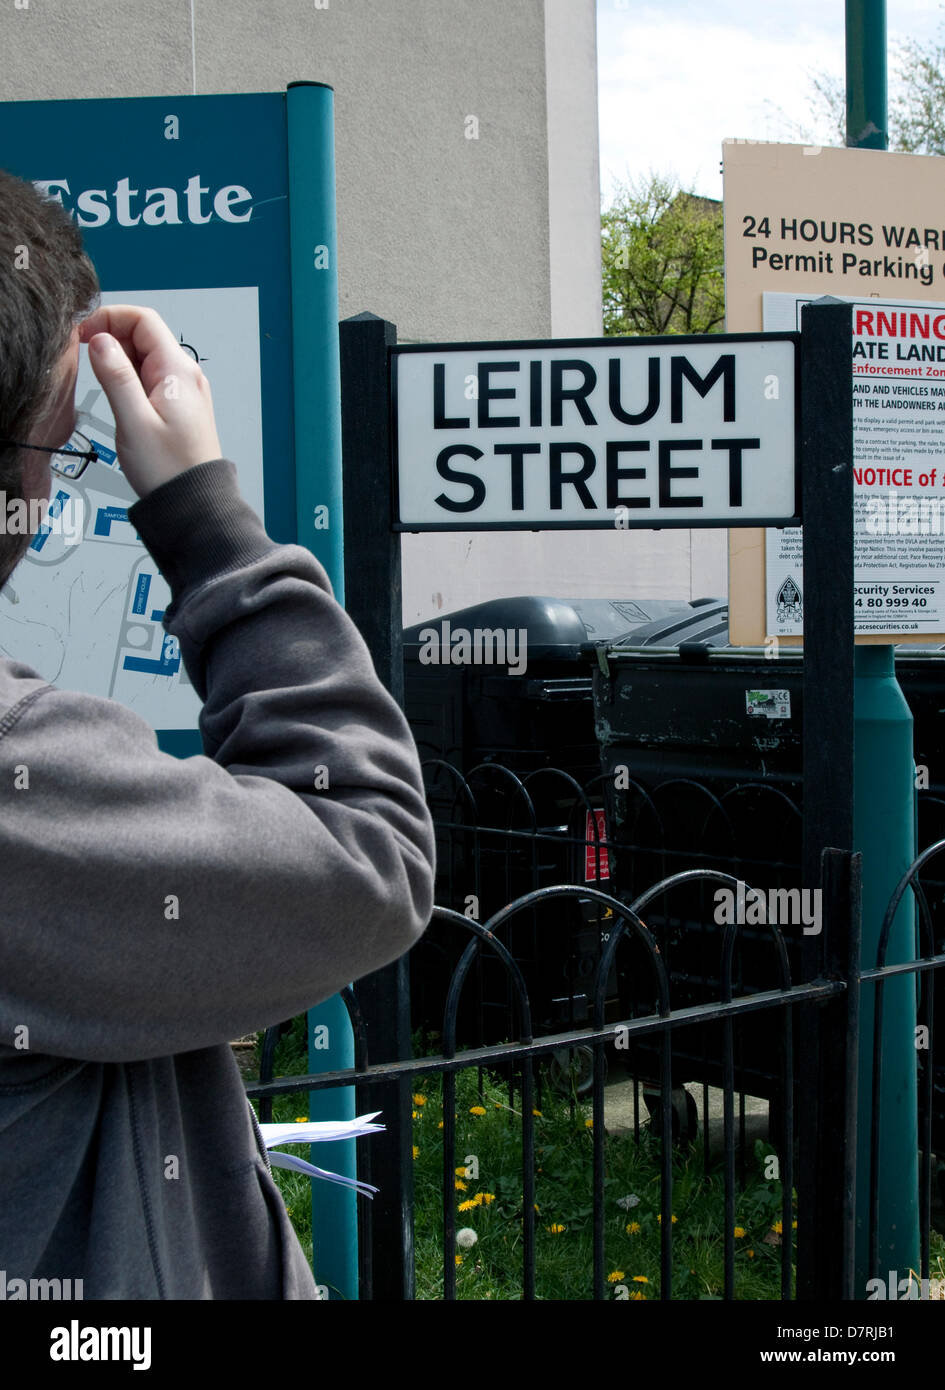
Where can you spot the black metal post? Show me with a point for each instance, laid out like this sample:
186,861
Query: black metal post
373,600
827,512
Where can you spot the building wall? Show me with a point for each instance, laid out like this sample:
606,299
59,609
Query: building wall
452,238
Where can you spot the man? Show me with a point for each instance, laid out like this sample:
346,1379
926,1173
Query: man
128,1155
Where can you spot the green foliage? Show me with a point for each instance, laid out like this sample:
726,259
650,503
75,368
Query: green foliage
662,261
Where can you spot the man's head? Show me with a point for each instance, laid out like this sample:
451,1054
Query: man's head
47,284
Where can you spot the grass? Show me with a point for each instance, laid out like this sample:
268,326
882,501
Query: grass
491,1267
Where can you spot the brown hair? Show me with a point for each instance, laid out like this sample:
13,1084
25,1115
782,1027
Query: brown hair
47,284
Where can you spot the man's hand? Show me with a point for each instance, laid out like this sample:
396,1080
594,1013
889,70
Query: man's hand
158,394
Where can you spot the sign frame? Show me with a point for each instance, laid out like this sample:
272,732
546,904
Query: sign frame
602,523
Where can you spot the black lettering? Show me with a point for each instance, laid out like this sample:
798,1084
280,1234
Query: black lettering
614,473
668,472
489,393
440,421
534,403
735,447
653,394
516,453
577,394
681,367
452,475
577,480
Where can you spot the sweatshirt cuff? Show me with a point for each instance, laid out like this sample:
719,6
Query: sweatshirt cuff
198,525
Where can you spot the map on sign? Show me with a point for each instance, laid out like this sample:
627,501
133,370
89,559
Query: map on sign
84,605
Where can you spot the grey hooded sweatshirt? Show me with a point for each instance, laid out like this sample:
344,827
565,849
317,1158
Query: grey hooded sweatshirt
153,908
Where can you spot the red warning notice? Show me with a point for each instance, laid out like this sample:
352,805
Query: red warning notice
591,851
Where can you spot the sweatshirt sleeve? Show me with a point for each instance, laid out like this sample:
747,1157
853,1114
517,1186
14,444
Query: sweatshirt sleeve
154,905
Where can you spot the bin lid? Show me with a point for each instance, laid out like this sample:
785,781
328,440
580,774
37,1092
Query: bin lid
566,629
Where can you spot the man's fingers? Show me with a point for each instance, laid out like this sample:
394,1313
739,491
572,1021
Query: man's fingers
141,332
119,379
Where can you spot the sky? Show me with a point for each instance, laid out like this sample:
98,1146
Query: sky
677,77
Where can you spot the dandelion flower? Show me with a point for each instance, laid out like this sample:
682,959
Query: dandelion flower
459,1185
750,1254
615,1276
416,1151
486,1198
466,1238
556,1230
415,1115
440,1125
739,1232
588,1124
538,1113
477,1110
637,1297
627,1202
460,1172
640,1279
301,1119
659,1217
459,1259
419,1100
777,1228
468,1205
633,1229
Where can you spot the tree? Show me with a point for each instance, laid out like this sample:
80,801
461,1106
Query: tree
662,261
916,103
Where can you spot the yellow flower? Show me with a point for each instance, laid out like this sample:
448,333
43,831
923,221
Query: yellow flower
588,1124
750,1254
538,1113
460,1172
459,1185
477,1110
440,1125
301,1119
659,1217
556,1230
615,1276
419,1100
415,1115
793,1225
739,1232
633,1229
640,1279
777,1227
637,1297
458,1259
416,1151
486,1197
468,1205
536,1206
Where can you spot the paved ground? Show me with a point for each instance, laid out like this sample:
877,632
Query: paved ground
618,1113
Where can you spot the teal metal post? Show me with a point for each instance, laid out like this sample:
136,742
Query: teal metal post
317,399
884,831
883,826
